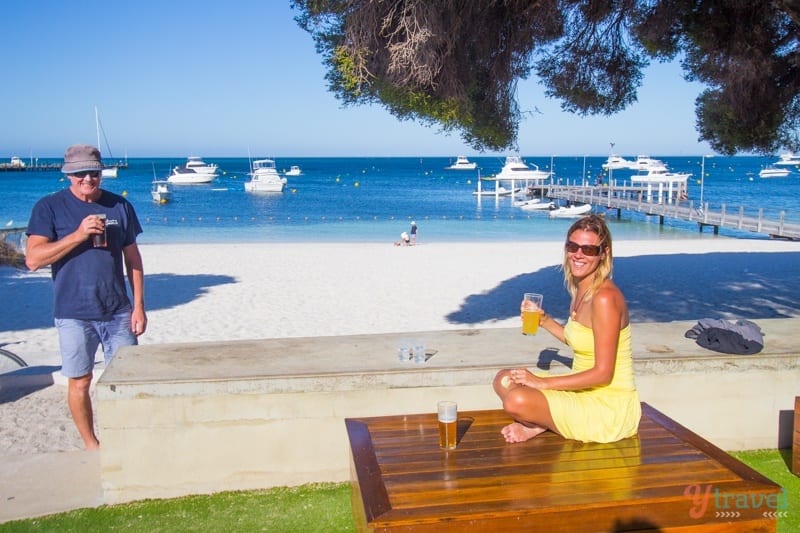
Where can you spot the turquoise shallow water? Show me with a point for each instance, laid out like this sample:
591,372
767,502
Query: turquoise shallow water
374,199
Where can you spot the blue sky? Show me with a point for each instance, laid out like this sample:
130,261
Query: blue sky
217,79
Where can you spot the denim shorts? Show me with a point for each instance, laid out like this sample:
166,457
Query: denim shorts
79,340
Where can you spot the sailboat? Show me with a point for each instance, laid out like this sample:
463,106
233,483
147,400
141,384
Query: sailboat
108,172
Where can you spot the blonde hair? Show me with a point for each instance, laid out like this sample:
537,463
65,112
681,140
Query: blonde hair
597,225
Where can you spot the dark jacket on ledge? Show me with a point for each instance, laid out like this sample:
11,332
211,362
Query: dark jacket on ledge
740,337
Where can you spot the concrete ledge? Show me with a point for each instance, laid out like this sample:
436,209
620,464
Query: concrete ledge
195,418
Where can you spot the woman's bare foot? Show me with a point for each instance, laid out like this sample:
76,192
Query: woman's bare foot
516,432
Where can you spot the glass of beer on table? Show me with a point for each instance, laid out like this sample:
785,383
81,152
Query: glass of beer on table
448,424
531,312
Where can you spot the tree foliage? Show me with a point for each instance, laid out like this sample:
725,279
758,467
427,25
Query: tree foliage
456,63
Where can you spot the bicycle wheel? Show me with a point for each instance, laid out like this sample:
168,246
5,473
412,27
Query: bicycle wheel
10,361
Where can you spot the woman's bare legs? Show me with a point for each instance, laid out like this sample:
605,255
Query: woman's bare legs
526,405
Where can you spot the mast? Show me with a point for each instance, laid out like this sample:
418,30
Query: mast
97,126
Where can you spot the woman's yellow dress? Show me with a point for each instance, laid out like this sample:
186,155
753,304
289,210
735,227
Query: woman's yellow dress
598,414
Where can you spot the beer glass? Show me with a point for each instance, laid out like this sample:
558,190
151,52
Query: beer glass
99,239
448,424
531,312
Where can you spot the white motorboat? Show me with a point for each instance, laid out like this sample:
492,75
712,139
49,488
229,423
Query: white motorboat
16,162
110,172
462,163
161,191
294,170
616,162
535,204
189,176
663,184
646,163
201,167
788,159
515,168
264,177
499,190
772,172
660,174
570,211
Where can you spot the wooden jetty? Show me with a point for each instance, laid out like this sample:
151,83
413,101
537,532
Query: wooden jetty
38,167
49,166
666,205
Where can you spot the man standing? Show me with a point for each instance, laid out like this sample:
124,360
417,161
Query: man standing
86,233
413,232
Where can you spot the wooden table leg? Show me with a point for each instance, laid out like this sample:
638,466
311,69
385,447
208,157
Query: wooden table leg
796,441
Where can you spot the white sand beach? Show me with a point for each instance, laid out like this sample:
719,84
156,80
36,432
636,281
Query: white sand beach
214,292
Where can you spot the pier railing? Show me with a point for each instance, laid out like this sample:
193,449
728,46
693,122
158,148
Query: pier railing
49,167
642,200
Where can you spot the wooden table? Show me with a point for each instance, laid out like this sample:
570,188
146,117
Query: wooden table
665,478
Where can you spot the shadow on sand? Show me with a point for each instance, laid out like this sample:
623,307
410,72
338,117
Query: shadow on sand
162,291
663,288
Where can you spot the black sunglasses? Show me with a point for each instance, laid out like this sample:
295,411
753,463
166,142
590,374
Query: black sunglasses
590,250
94,174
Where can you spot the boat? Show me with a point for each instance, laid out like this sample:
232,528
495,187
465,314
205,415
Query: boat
195,170
188,176
616,162
788,159
660,174
646,163
570,211
293,171
661,182
197,164
16,162
773,172
499,190
161,191
516,169
535,204
108,171
462,163
264,177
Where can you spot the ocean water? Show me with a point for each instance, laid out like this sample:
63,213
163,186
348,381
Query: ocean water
375,199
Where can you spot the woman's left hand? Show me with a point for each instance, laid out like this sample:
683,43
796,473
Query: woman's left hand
522,376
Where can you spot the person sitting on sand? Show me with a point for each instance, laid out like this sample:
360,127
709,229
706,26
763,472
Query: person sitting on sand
405,240
598,400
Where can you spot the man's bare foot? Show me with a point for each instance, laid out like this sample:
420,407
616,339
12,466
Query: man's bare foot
516,432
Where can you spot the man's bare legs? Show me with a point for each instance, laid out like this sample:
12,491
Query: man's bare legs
526,405
80,406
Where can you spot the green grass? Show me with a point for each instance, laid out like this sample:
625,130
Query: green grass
308,508
323,507
774,464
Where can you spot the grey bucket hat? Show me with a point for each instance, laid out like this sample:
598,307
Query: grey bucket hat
81,157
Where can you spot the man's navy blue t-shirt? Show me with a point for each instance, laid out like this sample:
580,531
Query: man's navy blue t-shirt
88,282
